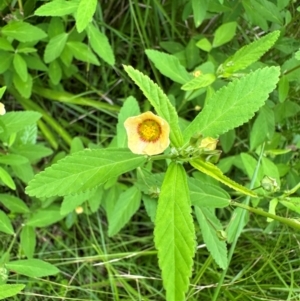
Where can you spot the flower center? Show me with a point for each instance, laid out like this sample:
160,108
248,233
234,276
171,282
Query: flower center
149,130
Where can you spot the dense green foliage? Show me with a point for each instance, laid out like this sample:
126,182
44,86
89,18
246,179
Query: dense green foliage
82,217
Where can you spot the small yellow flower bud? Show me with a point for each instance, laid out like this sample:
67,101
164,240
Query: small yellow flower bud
209,143
79,210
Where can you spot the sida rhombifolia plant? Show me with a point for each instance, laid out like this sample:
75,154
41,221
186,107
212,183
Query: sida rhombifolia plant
172,197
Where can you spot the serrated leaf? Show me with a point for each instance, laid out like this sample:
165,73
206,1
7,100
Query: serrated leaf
214,172
100,44
13,203
82,171
55,47
83,53
209,225
44,218
224,34
130,108
207,195
159,101
28,241
84,14
33,152
127,204
169,66
32,268
250,53
234,104
20,67
201,81
5,224
57,8
174,233
23,32
17,121
10,290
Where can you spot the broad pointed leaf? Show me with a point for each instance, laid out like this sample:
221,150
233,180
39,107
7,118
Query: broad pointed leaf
174,233
210,226
32,267
82,171
234,104
9,290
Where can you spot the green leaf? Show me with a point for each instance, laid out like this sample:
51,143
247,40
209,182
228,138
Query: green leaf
227,140
207,195
174,233
169,66
5,224
28,241
85,12
130,108
2,91
11,159
150,206
32,268
34,62
214,172
209,225
234,230
24,88
13,203
17,121
6,45
292,203
83,53
33,152
234,104
20,67
224,34
249,54
201,81
82,171
283,88
10,290
55,72
44,218
23,32
71,202
199,11
159,101
57,8
55,47
204,44
127,204
7,179
263,127
100,44
5,60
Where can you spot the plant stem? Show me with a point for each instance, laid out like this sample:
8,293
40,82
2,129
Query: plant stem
240,227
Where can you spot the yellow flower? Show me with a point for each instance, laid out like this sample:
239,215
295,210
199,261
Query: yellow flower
147,134
209,143
2,109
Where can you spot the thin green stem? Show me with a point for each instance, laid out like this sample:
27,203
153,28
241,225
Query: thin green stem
240,227
261,212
